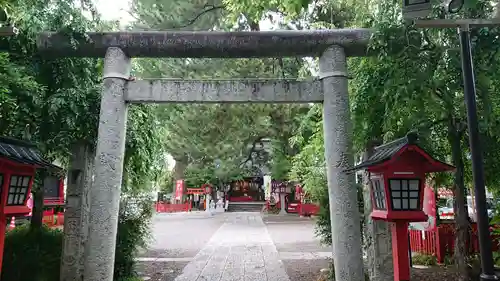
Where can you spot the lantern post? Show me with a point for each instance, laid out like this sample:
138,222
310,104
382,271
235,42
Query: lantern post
397,179
282,189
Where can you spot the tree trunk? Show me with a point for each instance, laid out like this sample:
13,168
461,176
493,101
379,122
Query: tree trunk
38,194
377,235
459,204
181,164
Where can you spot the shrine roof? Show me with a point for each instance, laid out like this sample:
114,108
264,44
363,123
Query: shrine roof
23,152
386,151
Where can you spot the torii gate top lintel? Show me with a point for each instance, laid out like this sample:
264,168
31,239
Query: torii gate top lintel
208,44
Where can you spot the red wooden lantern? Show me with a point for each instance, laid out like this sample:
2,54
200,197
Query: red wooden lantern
397,178
18,163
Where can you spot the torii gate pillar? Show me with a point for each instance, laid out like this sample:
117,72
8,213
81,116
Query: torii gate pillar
344,212
105,195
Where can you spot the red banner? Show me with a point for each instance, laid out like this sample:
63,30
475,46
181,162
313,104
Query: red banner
298,192
429,207
179,189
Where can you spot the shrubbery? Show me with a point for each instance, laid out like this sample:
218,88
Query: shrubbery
421,259
35,256
32,255
133,233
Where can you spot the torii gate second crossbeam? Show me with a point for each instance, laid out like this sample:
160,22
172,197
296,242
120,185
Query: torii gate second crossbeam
332,46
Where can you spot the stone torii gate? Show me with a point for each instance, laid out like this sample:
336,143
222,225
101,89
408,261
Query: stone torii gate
332,46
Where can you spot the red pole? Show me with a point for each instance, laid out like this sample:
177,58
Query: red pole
400,251
3,228
439,251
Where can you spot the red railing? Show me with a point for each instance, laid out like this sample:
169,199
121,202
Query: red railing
441,242
308,209
303,209
163,207
53,220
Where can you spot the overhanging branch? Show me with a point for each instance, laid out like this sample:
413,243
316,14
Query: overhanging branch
207,8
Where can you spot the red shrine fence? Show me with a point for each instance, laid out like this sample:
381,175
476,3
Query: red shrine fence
53,219
441,241
166,207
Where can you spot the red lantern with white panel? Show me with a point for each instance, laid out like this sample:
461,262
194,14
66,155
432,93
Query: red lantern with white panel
397,173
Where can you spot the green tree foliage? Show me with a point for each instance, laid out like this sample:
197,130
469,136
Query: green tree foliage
197,135
55,101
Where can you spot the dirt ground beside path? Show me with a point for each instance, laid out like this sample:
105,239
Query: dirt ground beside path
160,271
304,270
417,274
433,274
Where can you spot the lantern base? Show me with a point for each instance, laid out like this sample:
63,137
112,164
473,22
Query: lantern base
406,216
15,211
400,250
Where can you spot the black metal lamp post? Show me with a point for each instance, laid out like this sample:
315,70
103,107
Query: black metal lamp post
464,26
477,156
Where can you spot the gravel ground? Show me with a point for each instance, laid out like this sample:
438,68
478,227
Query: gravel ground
433,274
294,234
175,236
304,270
160,271
180,235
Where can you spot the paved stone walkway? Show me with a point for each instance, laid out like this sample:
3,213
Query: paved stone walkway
241,250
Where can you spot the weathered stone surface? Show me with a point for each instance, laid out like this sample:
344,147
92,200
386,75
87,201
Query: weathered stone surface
227,91
344,213
105,193
76,212
377,238
240,250
196,44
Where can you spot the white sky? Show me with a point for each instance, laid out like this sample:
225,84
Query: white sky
114,10
119,10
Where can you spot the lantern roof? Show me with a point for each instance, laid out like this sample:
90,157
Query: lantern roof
23,152
388,151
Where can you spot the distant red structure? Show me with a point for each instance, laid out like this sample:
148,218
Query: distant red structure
54,191
166,207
